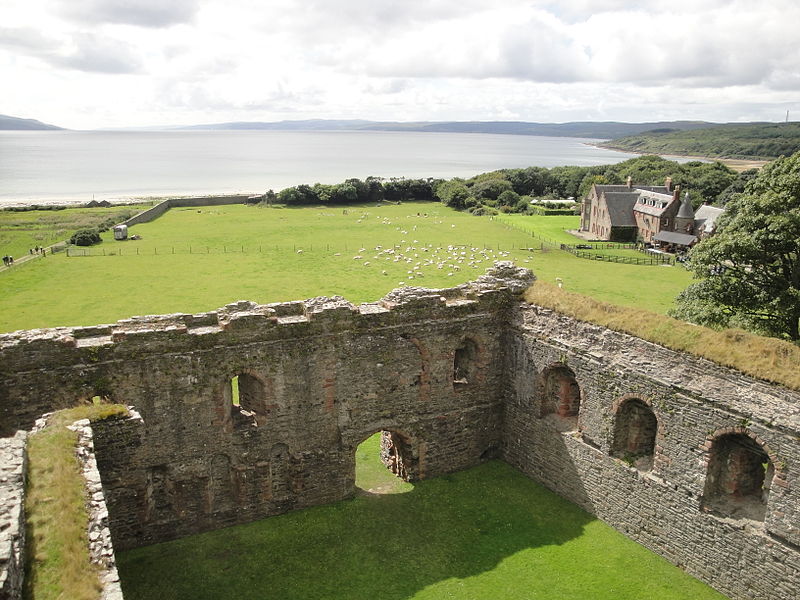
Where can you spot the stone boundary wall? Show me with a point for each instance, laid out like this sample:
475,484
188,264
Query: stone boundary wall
661,504
101,549
159,209
13,466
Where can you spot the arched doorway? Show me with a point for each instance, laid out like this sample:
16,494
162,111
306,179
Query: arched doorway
560,397
386,462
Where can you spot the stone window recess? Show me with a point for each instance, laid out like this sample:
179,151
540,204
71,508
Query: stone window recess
561,397
465,363
738,479
246,398
635,429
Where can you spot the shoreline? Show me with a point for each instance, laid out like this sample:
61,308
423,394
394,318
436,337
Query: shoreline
50,203
737,164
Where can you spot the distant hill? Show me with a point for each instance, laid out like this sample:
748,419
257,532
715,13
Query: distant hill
598,130
749,141
15,123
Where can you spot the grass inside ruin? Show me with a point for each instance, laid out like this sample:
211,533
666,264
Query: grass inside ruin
240,252
485,533
58,564
762,357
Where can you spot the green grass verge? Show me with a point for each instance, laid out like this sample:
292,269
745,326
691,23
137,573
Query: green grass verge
762,357
84,291
372,475
58,564
22,230
486,533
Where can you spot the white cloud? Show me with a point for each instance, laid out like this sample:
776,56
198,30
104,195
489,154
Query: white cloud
124,62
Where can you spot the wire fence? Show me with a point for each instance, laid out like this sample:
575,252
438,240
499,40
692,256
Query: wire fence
652,259
135,250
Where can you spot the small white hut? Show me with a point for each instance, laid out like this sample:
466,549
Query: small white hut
120,232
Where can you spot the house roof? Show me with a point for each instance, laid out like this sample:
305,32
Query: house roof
706,216
686,211
652,203
619,207
624,188
671,237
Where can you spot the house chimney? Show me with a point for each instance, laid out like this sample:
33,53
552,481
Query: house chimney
676,193
668,184
629,183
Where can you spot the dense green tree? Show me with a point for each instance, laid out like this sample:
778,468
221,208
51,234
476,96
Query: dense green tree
736,187
508,198
490,189
85,237
453,193
750,270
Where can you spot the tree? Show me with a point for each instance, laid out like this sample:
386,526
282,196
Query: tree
750,269
85,237
453,193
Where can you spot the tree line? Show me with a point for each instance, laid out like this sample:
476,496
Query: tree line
513,190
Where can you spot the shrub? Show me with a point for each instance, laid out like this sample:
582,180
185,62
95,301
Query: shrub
85,237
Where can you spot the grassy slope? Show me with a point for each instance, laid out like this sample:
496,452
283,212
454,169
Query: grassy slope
486,533
82,291
23,230
762,140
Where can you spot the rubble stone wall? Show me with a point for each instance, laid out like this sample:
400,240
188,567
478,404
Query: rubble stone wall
321,376
652,441
661,503
13,459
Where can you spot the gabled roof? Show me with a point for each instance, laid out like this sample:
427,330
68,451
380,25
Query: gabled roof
601,188
620,205
707,215
661,202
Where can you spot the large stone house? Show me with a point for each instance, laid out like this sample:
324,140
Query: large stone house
652,214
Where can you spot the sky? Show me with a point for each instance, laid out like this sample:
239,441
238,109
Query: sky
89,64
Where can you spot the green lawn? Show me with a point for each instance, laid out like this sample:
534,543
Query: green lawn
485,533
22,230
262,263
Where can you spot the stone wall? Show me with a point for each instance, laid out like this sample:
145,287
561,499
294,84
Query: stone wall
317,378
159,209
659,500
13,459
695,461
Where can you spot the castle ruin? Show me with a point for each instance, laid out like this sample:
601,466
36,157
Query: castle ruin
695,461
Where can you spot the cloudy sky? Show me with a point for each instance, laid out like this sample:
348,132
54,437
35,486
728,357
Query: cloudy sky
112,63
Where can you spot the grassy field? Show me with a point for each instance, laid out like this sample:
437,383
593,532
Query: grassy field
22,230
240,252
486,533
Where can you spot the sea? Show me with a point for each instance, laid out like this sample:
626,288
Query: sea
61,167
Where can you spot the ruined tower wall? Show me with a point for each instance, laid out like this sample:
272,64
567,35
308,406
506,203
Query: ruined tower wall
328,375
661,503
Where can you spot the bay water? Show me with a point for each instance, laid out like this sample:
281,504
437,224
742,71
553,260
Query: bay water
48,167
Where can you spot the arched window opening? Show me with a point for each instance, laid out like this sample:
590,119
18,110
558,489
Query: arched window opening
635,434
465,363
738,479
386,463
246,397
561,398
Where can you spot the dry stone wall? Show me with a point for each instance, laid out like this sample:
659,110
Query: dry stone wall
660,502
695,461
